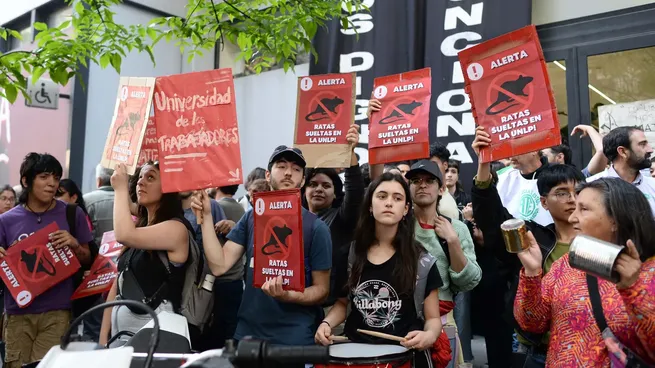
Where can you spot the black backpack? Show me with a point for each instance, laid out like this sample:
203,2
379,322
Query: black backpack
83,304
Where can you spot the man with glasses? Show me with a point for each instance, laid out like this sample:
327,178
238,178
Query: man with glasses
556,187
447,239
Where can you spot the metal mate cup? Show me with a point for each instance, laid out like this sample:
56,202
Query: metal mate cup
595,257
515,235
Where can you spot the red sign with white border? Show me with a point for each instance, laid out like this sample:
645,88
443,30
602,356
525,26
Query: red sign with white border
511,95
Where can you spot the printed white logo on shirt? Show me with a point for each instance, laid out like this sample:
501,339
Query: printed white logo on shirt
378,303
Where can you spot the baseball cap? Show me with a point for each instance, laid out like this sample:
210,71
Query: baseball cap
424,166
291,154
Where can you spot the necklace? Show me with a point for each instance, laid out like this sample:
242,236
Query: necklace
39,214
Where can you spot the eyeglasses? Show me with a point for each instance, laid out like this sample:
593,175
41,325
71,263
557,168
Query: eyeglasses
564,197
419,181
7,199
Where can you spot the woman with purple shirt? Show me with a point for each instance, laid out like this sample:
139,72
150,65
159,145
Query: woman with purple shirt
30,332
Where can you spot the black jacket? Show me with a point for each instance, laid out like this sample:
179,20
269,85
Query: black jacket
342,221
489,214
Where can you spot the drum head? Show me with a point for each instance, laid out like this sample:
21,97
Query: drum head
365,351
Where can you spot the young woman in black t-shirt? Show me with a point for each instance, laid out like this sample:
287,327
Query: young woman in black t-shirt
380,287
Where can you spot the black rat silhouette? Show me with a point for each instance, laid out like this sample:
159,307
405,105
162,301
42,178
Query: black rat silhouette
133,117
100,270
319,113
281,233
407,108
515,87
30,263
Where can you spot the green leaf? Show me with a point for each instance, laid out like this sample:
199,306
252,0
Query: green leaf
3,33
65,24
15,34
37,73
152,33
150,53
104,60
116,62
79,7
40,26
11,93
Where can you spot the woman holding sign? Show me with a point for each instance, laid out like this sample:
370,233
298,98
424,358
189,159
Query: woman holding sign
160,227
385,263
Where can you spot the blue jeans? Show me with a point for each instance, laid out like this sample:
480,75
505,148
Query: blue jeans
533,359
463,320
453,349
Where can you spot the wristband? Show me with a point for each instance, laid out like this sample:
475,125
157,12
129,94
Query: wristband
327,323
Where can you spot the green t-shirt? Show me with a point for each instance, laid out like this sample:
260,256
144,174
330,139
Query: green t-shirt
558,252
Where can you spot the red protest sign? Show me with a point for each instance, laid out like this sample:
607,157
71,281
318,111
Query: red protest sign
33,265
325,111
149,145
128,125
197,131
399,131
110,248
103,271
507,82
278,244
99,279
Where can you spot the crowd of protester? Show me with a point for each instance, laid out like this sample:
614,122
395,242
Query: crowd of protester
406,233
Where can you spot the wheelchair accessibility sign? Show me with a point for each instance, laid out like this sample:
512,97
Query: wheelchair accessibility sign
44,94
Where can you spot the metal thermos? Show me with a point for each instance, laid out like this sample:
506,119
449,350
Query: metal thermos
515,235
208,283
595,257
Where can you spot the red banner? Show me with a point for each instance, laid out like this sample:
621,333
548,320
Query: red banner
103,270
511,95
129,123
149,145
399,131
325,108
278,245
33,265
197,131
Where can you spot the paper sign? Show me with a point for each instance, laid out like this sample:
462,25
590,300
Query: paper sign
325,110
507,82
278,245
104,269
399,131
197,131
149,145
33,265
640,114
128,125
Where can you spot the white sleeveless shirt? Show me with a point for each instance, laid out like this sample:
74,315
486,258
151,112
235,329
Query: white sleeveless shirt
521,198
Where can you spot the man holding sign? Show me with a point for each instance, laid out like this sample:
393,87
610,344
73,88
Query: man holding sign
274,313
31,331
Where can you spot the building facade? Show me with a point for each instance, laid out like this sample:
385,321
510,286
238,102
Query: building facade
597,52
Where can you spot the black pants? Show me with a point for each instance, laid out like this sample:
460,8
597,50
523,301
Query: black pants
226,307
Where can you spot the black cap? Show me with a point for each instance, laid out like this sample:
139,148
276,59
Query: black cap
291,154
424,166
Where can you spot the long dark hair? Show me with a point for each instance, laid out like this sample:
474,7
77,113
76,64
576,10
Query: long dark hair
72,189
336,183
630,210
407,249
170,204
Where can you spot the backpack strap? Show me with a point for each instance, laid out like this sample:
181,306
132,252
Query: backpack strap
425,263
596,304
71,214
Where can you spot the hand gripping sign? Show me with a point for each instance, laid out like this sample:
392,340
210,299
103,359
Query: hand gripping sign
278,245
507,82
399,131
325,111
33,265
103,270
128,125
197,131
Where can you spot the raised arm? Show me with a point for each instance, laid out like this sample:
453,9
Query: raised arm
353,184
219,258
